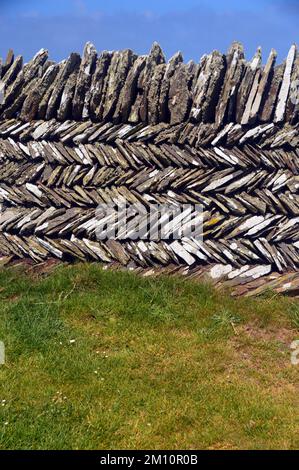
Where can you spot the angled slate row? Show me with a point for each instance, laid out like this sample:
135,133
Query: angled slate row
266,136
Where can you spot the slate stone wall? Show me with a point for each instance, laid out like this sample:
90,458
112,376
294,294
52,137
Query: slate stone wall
222,133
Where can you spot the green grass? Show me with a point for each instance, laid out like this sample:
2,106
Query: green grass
99,359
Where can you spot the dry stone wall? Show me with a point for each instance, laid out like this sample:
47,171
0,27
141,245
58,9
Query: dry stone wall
86,131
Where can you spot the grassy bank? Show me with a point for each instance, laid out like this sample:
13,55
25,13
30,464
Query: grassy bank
99,359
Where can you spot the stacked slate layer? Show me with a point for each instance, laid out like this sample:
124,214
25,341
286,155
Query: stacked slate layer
86,131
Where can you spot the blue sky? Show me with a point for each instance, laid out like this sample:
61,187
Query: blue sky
192,26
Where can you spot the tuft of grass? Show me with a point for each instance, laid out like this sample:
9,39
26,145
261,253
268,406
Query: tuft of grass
221,323
294,316
101,359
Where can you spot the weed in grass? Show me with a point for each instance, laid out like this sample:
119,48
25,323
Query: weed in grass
220,324
225,319
294,316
